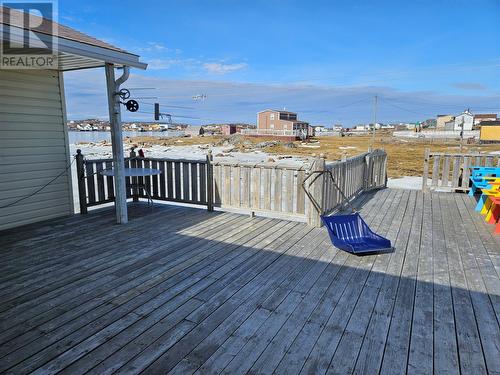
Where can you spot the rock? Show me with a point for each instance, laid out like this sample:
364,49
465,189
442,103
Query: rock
266,144
290,145
271,160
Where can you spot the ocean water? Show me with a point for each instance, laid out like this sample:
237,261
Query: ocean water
98,136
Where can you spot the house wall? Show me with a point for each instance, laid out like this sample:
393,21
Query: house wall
490,133
264,120
442,120
468,122
33,147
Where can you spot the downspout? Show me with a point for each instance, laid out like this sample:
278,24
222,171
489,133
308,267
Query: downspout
123,78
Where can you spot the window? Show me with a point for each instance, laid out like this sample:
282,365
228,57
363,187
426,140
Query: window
271,116
271,126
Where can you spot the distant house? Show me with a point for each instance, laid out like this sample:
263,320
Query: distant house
464,121
449,125
228,129
442,120
280,123
310,131
490,131
480,117
279,120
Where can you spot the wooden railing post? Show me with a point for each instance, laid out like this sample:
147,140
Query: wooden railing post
343,182
384,166
367,170
210,182
80,172
426,169
317,191
135,180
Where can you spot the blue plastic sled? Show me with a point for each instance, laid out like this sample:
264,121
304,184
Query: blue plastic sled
351,233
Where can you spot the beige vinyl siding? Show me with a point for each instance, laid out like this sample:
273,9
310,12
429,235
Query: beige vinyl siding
33,147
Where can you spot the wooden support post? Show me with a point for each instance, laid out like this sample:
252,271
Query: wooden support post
316,189
210,182
117,140
80,172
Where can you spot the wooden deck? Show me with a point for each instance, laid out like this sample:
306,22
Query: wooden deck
185,291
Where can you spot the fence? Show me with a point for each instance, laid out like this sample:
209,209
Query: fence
183,181
272,132
441,134
266,189
451,171
353,176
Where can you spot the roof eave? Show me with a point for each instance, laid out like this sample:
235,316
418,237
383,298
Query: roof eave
67,46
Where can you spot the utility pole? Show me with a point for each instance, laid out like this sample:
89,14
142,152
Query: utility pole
375,103
461,133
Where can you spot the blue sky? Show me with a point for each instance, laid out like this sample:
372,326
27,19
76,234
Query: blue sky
324,59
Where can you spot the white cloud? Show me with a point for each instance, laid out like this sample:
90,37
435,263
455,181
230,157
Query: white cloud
221,68
154,48
158,64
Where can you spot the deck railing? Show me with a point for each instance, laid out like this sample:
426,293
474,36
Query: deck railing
265,188
260,188
451,171
353,176
182,181
272,132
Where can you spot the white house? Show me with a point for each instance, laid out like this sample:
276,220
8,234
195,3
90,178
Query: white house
35,179
464,121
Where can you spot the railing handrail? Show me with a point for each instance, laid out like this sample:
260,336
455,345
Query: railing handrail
270,165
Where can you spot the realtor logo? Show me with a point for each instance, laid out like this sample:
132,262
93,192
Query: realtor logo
29,35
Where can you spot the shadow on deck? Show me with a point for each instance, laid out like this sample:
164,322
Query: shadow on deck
185,291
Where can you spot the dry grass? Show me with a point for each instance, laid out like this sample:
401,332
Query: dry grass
405,157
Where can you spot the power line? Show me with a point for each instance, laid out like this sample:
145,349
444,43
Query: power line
168,106
402,108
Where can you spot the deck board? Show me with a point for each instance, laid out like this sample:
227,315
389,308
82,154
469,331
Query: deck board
180,290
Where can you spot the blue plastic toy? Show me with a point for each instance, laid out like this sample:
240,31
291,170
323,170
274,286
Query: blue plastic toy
349,232
477,178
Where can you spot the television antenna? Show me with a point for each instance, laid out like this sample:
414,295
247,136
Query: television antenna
199,97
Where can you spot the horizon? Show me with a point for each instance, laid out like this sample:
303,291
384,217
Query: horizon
326,62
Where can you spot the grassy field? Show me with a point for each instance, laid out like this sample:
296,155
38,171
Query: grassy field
405,156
